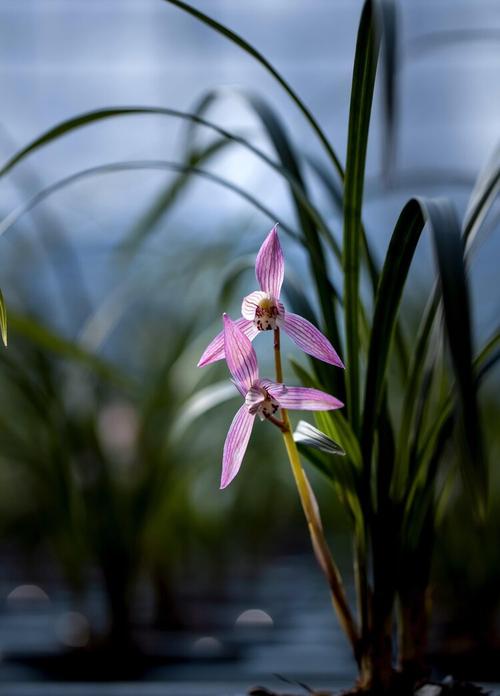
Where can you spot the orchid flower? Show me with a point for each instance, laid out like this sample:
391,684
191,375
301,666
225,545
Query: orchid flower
262,310
263,398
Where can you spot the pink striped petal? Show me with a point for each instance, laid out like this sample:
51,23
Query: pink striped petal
270,264
251,302
236,444
215,349
303,398
310,339
240,356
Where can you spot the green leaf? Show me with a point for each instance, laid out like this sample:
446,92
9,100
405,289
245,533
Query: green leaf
363,81
457,318
392,281
248,48
3,319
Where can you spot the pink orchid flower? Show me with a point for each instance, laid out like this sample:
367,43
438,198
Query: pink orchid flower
263,398
263,311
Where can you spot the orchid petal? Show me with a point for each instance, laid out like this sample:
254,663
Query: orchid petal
236,444
240,356
270,264
251,302
302,398
215,349
310,339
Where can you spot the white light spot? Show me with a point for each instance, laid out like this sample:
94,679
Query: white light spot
429,690
254,617
73,629
208,646
27,593
118,427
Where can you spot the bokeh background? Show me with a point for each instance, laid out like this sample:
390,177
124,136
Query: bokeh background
119,557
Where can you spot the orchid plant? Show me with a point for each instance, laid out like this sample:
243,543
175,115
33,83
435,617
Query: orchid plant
262,311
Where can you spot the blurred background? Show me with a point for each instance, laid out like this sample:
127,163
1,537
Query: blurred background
120,559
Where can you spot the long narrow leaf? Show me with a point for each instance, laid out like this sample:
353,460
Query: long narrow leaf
481,201
457,317
363,81
392,281
162,165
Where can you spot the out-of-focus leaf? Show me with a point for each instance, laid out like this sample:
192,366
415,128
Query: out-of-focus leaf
457,318
248,48
3,319
297,301
333,185
200,403
161,165
487,358
286,168
167,198
482,197
42,336
306,434
442,40
85,119
76,122
387,27
232,275
363,81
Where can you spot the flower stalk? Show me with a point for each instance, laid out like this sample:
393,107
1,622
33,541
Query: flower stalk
311,512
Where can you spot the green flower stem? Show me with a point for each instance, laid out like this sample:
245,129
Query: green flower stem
311,512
